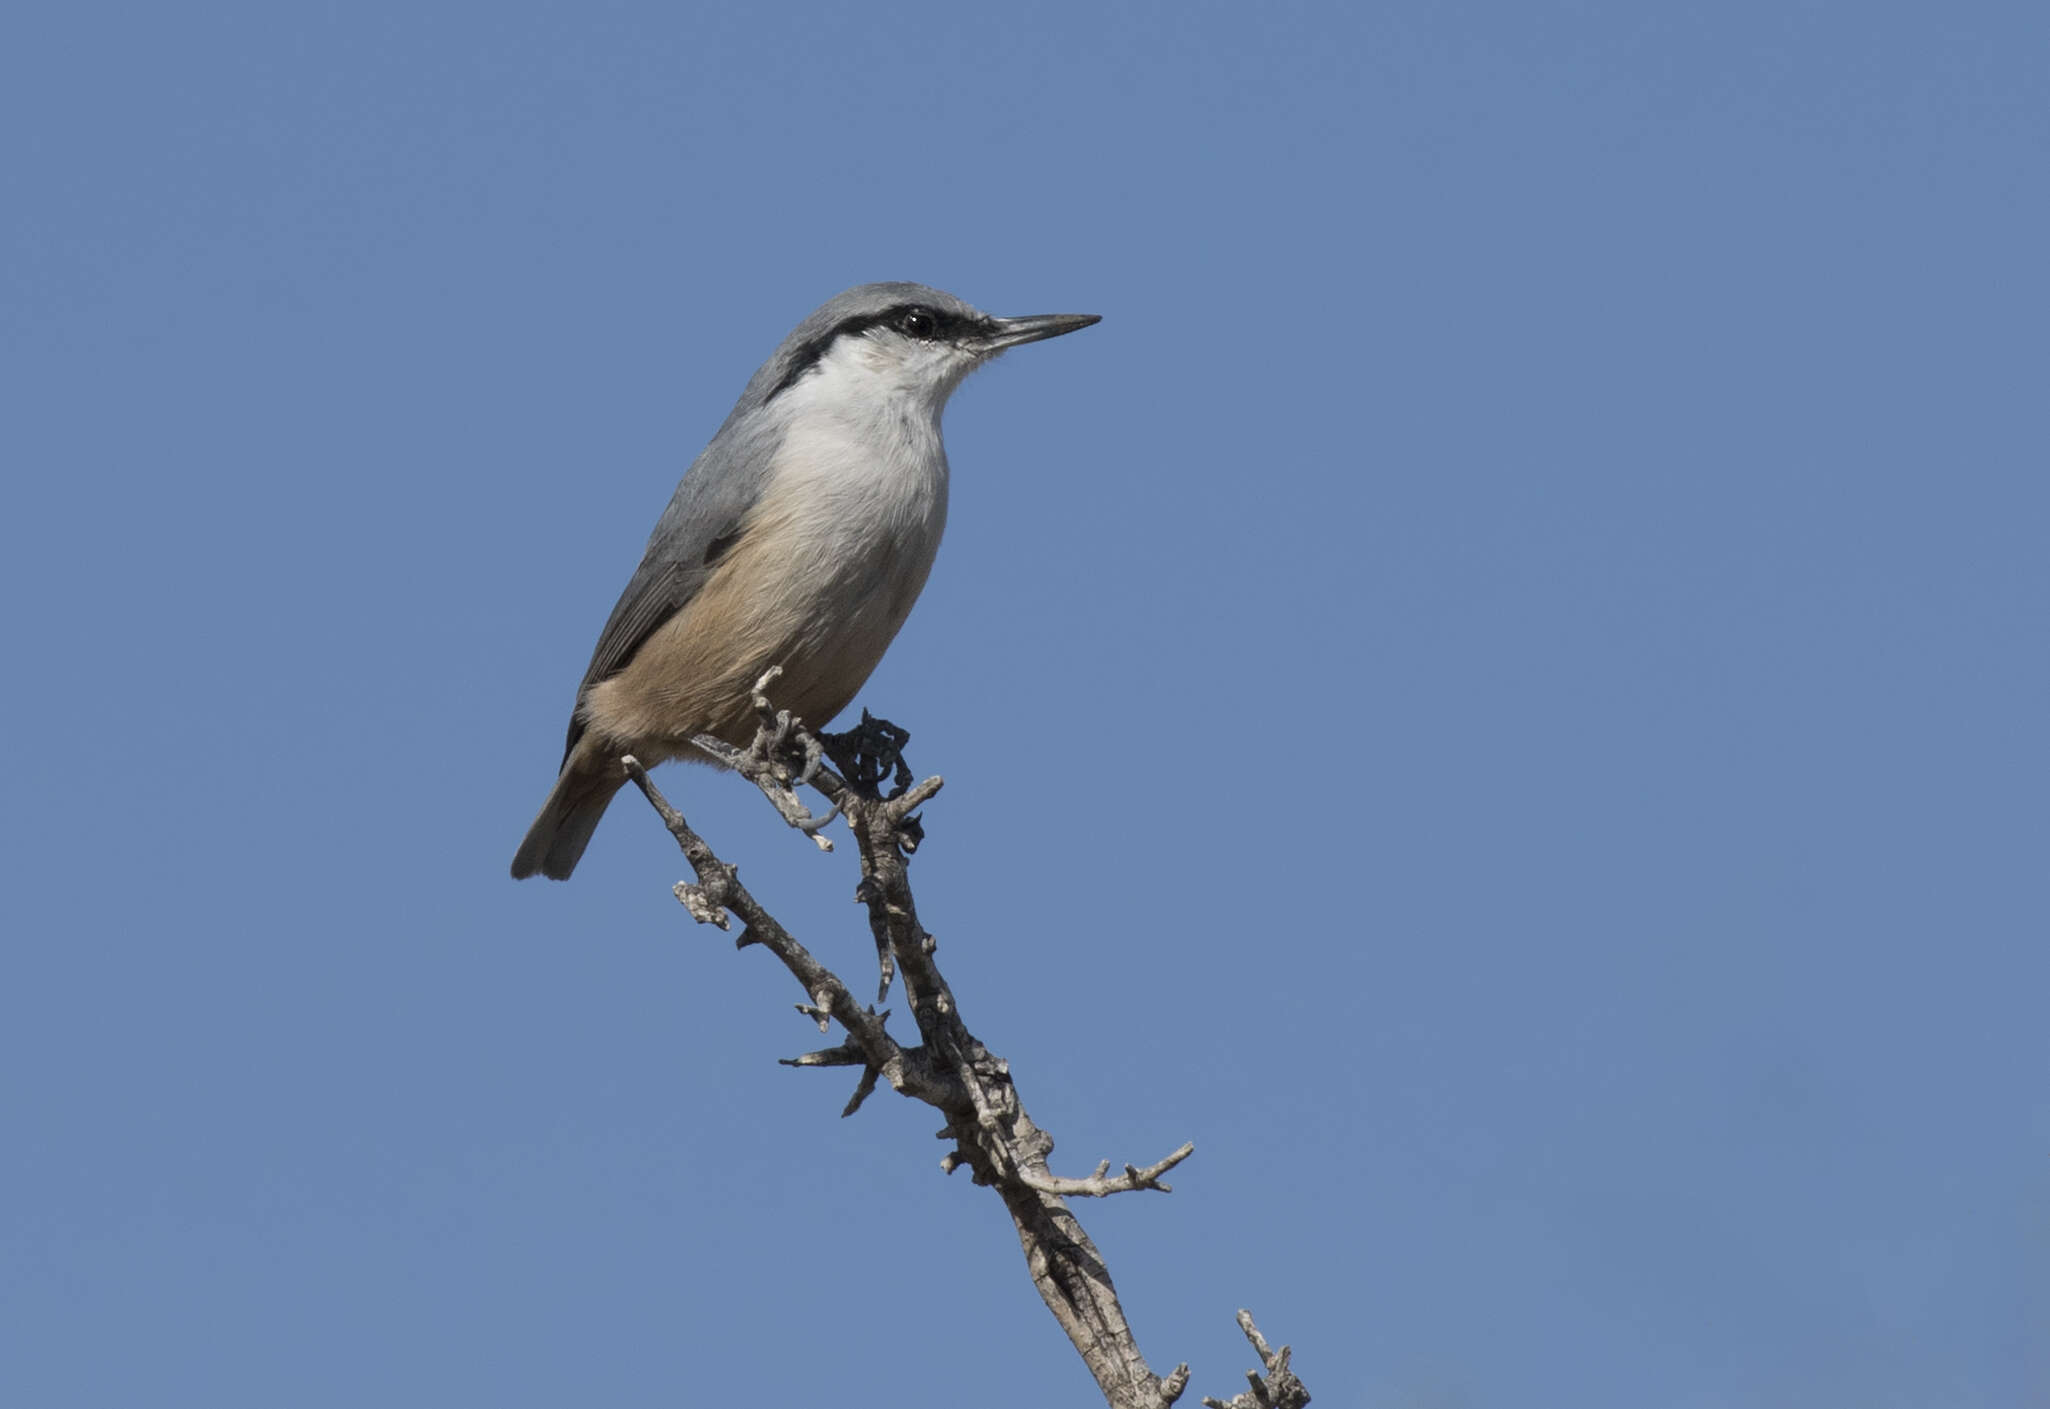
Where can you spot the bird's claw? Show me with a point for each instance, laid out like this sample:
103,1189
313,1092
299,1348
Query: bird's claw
766,761
871,752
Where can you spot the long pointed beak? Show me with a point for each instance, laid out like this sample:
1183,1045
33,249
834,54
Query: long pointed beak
1010,332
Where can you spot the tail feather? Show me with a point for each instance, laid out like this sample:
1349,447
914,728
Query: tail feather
556,841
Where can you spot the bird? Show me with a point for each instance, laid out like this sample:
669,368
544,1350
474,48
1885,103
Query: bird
799,538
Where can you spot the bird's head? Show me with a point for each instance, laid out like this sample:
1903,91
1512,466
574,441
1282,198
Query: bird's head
889,341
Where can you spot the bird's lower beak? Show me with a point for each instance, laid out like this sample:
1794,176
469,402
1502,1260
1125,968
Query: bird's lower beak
1010,332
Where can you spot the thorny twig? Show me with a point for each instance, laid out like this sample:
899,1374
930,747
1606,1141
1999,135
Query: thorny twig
949,1068
1277,1389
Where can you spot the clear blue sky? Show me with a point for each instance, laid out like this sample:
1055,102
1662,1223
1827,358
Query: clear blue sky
1526,621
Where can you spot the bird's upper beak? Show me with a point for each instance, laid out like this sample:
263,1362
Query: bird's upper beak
1010,332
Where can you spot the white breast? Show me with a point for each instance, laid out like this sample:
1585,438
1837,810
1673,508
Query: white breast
854,508
860,482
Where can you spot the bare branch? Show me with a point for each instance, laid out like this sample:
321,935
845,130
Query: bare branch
950,1069
863,1089
718,890
845,1055
1096,1186
1278,1388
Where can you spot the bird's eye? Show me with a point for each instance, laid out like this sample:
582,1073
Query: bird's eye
920,323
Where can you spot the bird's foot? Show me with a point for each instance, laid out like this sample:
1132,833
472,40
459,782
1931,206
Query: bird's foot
869,753
773,774
782,758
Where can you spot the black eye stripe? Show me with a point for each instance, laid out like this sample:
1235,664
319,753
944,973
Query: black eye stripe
946,327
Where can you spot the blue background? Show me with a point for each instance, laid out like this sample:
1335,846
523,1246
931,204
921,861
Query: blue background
1501,692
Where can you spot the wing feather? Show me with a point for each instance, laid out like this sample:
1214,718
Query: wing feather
708,509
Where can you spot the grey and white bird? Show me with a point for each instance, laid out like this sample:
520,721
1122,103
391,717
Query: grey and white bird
800,538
